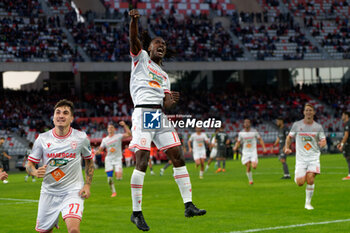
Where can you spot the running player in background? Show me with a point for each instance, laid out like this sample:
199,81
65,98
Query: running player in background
199,139
280,140
309,137
344,145
3,155
113,161
213,149
25,161
248,137
222,141
63,189
150,92
127,156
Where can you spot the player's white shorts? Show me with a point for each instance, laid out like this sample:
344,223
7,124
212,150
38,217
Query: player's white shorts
302,167
71,205
199,154
164,138
249,158
213,153
115,164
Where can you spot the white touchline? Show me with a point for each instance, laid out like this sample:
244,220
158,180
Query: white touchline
14,199
292,226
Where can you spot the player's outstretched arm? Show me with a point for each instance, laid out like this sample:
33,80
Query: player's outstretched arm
189,146
287,149
135,43
262,144
89,173
126,129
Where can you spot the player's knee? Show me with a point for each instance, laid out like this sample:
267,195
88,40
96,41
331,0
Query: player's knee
74,230
176,156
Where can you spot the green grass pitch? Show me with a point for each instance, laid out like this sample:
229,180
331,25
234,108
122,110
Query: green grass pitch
231,204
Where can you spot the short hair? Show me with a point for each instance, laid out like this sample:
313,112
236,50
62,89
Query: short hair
309,105
280,118
347,113
111,123
66,103
2,138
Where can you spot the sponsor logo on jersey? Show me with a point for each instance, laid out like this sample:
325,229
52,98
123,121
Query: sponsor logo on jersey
307,139
152,119
61,155
48,145
58,162
74,145
154,84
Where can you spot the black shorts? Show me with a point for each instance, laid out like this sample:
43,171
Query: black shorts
282,155
221,154
346,152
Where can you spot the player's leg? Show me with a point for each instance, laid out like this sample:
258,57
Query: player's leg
218,164
201,172
48,212
72,211
137,179
208,163
73,225
182,178
283,159
249,173
165,167
150,165
109,172
310,187
118,167
347,158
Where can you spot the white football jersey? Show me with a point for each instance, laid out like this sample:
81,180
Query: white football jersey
306,140
113,146
249,140
198,141
148,81
62,155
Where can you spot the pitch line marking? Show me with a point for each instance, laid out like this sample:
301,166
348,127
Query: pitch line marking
292,226
21,200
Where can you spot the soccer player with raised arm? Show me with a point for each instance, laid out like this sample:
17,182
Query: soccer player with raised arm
150,92
63,189
280,140
344,145
248,137
113,161
199,139
310,138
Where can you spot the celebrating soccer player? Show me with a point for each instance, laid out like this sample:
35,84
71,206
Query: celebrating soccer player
309,137
199,140
248,138
150,92
63,188
113,160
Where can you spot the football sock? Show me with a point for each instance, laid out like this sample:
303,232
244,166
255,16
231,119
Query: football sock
136,189
285,169
166,166
250,176
309,192
183,181
218,163
223,164
111,184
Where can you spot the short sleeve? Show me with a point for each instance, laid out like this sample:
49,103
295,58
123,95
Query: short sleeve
191,138
37,151
257,135
142,54
167,85
103,144
293,131
86,149
206,137
347,127
240,138
321,135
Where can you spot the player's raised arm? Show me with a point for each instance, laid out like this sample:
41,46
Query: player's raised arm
135,43
126,129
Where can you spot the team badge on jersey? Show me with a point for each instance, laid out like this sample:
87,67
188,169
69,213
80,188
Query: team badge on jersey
152,119
74,145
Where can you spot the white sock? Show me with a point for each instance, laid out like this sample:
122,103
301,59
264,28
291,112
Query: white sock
136,189
111,184
250,176
201,173
309,192
207,166
183,181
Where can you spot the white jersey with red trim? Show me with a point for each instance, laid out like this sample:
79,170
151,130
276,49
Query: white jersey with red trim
113,146
62,155
249,141
148,82
307,137
198,141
